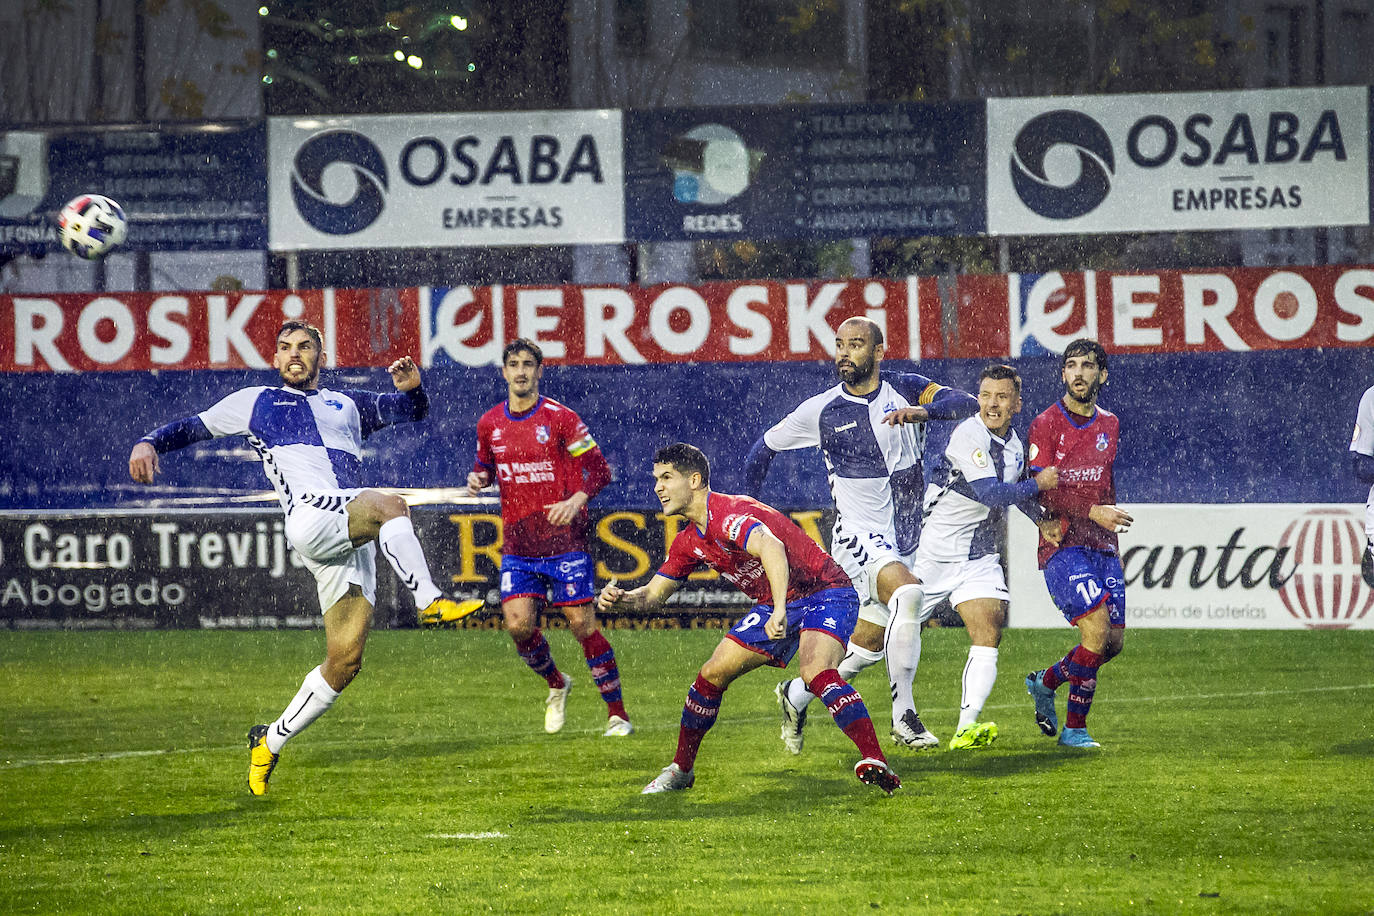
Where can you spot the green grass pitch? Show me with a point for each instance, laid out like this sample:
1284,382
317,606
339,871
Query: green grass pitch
1237,776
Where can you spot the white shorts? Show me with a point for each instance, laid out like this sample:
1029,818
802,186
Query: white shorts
959,581
317,529
862,555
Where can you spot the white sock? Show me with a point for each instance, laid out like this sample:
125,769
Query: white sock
797,694
903,645
402,550
856,659
980,673
314,697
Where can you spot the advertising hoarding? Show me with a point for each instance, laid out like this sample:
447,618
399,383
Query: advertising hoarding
1248,159
445,180
200,187
233,569
818,171
1276,566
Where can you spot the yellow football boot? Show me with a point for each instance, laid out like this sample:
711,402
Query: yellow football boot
445,611
261,761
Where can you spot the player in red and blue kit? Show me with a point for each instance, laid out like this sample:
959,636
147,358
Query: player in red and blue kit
805,605
548,467
1083,568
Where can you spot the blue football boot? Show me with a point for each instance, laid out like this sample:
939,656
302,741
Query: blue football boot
1044,702
1077,737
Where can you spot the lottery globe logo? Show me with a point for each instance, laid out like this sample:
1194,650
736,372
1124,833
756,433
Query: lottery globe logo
710,165
1062,164
1326,590
339,182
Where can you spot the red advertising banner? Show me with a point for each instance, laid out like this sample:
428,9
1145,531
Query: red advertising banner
983,317
713,322
197,330
1180,311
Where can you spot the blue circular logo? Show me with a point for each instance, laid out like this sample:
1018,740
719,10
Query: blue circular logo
369,174
1054,199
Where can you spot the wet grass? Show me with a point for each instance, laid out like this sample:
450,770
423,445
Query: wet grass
1235,778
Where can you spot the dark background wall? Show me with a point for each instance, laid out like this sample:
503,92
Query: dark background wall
1268,426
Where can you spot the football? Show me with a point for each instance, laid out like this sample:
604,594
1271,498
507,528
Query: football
91,226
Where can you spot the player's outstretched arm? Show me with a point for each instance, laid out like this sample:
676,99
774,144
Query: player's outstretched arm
1113,518
1046,479
405,375
143,459
143,464
951,404
756,467
936,401
648,597
904,415
997,494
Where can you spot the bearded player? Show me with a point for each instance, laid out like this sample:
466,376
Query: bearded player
1083,571
310,441
871,432
548,467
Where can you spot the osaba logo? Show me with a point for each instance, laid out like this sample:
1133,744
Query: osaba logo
369,174
1038,188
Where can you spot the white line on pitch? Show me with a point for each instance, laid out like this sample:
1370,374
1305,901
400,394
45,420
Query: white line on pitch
486,835
118,755
96,758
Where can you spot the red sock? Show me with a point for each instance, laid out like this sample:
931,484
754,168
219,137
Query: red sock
698,715
535,652
848,710
601,660
1082,670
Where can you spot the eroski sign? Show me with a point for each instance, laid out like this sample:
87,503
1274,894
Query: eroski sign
1181,161
445,180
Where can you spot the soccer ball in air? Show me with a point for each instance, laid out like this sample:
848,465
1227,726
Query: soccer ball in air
91,226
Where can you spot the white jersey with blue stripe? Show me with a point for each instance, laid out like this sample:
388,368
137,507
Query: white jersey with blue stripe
874,469
957,526
307,440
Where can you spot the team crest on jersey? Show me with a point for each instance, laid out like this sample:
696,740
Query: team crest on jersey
1101,442
542,434
980,459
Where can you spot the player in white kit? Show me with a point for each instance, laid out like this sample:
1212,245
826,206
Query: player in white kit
310,442
870,430
979,475
1362,465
